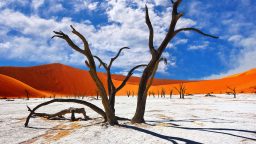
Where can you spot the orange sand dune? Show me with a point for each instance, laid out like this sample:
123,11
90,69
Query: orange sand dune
58,79
10,87
136,80
243,82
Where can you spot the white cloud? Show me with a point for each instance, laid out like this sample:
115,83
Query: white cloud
37,3
242,61
92,6
204,45
126,28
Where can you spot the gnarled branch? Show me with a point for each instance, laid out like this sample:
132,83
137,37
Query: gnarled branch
62,35
90,105
195,30
87,50
117,55
130,73
101,63
151,33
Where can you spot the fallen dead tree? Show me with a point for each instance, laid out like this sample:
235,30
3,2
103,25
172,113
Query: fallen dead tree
61,113
90,105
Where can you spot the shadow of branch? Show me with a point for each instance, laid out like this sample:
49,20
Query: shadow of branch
168,138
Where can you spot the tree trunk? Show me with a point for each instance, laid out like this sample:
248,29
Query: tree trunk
112,102
142,93
140,111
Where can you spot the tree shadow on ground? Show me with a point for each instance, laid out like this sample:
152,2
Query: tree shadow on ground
225,131
212,120
168,138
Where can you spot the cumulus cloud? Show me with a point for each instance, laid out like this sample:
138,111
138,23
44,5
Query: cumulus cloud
36,3
126,27
204,45
242,61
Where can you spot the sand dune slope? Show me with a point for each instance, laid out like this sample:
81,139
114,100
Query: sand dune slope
10,87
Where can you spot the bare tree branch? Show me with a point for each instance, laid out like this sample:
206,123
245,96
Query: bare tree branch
86,45
175,7
151,33
195,30
130,73
62,35
87,50
101,63
117,55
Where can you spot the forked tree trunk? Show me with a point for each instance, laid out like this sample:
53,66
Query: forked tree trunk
156,55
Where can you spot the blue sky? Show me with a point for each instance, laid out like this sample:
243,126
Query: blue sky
26,28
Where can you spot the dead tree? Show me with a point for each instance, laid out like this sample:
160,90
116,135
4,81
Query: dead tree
112,89
181,90
171,91
163,93
61,113
210,95
156,56
128,93
132,93
27,94
97,94
232,91
153,93
90,105
111,119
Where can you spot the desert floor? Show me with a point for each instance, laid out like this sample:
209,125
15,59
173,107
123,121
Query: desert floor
196,119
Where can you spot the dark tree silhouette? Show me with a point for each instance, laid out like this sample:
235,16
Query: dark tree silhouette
232,91
112,89
163,93
27,94
156,55
181,90
92,69
93,107
108,103
171,91
128,93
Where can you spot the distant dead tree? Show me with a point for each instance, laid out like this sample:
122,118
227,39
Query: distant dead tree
163,92
171,91
156,55
132,93
97,94
158,93
210,95
27,94
128,93
153,93
232,91
181,90
149,93
254,89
